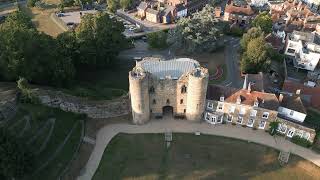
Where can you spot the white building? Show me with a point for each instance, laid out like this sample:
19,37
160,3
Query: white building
304,49
291,108
258,3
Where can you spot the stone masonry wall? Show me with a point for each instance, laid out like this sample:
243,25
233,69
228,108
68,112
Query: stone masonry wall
94,109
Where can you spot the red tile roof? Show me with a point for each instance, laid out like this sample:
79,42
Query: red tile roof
314,92
244,10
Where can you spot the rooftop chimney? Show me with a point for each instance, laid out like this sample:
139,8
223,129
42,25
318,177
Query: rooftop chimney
280,98
249,88
245,82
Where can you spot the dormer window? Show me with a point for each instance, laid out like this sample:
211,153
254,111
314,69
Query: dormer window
221,98
265,115
255,104
210,105
220,106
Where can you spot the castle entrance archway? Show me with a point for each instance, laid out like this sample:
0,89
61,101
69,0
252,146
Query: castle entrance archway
167,111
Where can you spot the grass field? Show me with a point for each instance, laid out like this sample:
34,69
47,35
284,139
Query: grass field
144,156
103,84
37,135
42,21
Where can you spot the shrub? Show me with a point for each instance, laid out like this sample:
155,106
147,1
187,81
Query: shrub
301,141
244,125
254,128
273,128
31,3
233,124
157,40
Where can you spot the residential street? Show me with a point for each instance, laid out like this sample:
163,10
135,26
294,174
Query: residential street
232,59
105,135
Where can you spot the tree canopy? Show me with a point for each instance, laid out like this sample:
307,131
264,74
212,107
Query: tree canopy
15,156
251,34
41,59
256,57
157,40
200,33
264,21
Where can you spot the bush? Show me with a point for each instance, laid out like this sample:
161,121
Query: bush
301,141
31,3
244,125
157,40
254,128
233,124
273,128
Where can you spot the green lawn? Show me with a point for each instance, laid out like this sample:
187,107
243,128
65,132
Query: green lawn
144,156
223,77
64,121
103,84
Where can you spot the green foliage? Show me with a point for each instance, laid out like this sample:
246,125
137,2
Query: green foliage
125,4
16,158
112,5
26,95
255,58
251,34
235,31
99,39
263,21
201,33
273,126
24,52
301,141
31,3
157,40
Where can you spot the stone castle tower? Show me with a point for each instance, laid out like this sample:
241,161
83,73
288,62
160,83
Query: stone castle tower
178,86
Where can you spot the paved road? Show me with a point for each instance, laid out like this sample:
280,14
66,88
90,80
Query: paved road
232,59
106,133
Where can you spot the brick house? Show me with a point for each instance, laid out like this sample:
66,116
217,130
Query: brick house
252,109
239,12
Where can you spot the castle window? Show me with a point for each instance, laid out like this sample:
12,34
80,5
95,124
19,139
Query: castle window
183,89
168,101
181,101
154,101
151,90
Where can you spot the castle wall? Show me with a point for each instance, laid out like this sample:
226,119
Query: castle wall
139,94
196,95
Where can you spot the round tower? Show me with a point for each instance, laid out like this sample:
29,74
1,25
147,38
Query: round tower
196,97
139,95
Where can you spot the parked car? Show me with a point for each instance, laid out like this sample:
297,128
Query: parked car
60,14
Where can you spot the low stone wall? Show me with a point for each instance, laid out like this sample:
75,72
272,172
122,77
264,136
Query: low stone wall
94,109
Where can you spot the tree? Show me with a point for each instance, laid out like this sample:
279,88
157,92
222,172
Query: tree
157,40
202,32
264,21
112,5
255,58
273,128
125,4
16,158
24,52
100,39
251,34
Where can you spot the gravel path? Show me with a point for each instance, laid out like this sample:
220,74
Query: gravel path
105,134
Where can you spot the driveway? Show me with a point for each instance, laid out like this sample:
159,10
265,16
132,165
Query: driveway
232,59
106,133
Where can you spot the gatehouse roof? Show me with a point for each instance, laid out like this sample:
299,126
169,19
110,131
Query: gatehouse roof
173,69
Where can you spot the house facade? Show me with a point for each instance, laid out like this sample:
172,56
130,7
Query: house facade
292,108
238,12
153,15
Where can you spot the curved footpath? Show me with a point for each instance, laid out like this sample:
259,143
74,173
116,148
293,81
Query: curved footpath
106,133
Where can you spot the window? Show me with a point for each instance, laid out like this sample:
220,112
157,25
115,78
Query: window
181,101
150,110
253,113
282,128
229,118
220,106
291,51
240,119
256,104
184,110
183,89
250,122
222,98
265,115
151,90
154,101
168,101
210,105
291,132
232,109
219,120
262,124
207,117
291,113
